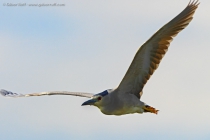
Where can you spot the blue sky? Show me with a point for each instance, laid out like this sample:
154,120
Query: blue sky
88,46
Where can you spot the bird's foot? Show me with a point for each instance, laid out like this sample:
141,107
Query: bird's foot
150,109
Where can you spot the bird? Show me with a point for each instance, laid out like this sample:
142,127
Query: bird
125,98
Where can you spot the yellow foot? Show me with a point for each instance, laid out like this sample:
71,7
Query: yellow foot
150,109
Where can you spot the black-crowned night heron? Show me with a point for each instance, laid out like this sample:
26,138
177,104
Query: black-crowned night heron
125,99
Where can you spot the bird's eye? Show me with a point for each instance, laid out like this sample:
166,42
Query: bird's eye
99,98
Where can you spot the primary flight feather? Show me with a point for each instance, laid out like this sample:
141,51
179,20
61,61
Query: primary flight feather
125,99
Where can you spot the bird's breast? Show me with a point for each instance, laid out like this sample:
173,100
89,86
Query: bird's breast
118,106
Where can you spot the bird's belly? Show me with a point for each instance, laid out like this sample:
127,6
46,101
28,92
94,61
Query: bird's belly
126,110
122,110
117,105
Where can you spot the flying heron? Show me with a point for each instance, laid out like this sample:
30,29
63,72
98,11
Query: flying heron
125,99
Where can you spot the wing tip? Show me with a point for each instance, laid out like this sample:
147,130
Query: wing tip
6,93
3,92
194,3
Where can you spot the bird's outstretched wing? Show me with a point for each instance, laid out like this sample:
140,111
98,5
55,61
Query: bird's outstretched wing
12,94
151,52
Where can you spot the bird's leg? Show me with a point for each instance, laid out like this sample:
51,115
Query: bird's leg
150,109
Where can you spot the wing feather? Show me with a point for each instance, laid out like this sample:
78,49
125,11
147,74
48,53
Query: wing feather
12,94
148,57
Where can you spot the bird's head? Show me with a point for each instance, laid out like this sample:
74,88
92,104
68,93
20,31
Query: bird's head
97,98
